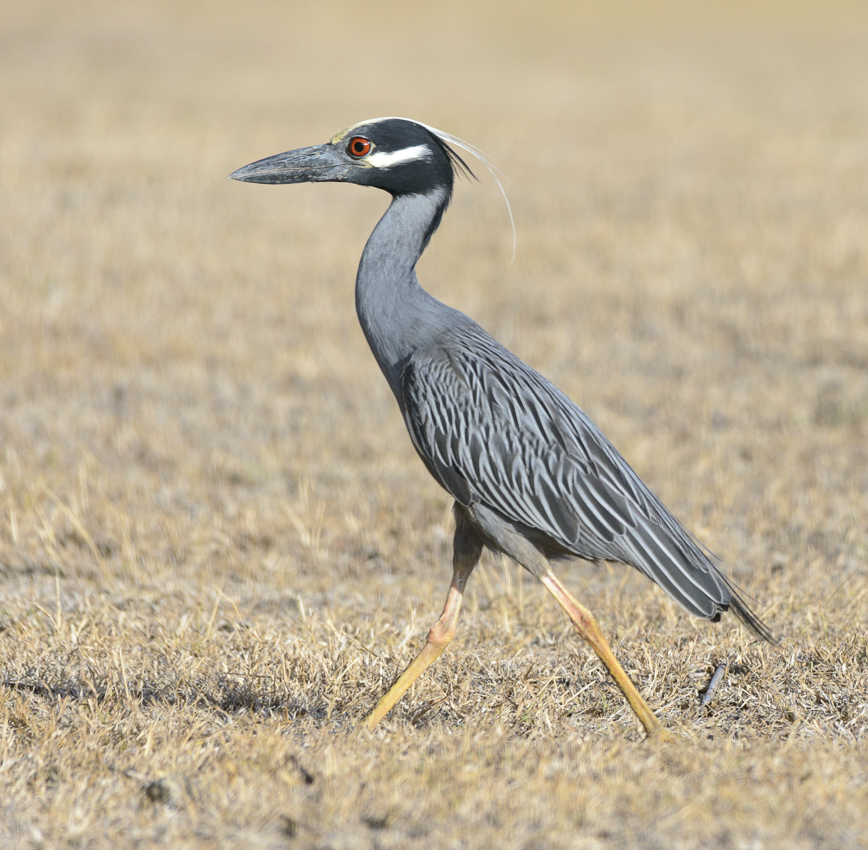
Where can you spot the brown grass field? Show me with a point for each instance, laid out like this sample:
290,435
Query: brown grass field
217,546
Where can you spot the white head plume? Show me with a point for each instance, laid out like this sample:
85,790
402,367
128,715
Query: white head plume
449,139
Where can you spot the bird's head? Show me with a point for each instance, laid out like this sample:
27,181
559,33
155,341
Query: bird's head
399,156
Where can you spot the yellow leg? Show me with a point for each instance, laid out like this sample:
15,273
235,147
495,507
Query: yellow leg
587,627
438,639
466,551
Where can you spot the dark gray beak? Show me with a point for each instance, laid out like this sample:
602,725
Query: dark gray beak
318,164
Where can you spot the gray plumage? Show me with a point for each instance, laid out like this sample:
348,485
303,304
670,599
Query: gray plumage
531,475
515,453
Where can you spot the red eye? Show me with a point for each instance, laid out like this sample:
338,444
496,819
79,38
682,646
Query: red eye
359,147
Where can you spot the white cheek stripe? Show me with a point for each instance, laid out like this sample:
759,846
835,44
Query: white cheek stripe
386,159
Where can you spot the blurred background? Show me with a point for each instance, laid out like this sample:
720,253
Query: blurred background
207,497
690,197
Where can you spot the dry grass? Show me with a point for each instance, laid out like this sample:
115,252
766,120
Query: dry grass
216,545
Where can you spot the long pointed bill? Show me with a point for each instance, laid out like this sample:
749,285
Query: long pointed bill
317,164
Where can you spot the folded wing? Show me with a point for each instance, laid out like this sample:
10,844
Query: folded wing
493,431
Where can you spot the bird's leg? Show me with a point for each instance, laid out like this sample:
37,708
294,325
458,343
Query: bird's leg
465,558
587,627
438,639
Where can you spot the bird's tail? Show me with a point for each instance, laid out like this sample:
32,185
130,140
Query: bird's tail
743,611
687,573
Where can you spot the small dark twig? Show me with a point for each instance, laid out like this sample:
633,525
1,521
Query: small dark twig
715,679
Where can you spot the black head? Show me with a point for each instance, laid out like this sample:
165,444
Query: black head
394,154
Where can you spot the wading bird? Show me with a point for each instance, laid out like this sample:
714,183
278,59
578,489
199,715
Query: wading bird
531,475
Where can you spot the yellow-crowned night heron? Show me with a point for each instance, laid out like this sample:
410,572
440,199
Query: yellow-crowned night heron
531,475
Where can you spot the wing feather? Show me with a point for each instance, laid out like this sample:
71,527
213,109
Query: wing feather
493,431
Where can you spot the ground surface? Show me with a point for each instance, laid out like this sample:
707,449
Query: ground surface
217,547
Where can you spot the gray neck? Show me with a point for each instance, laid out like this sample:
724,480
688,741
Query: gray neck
395,313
